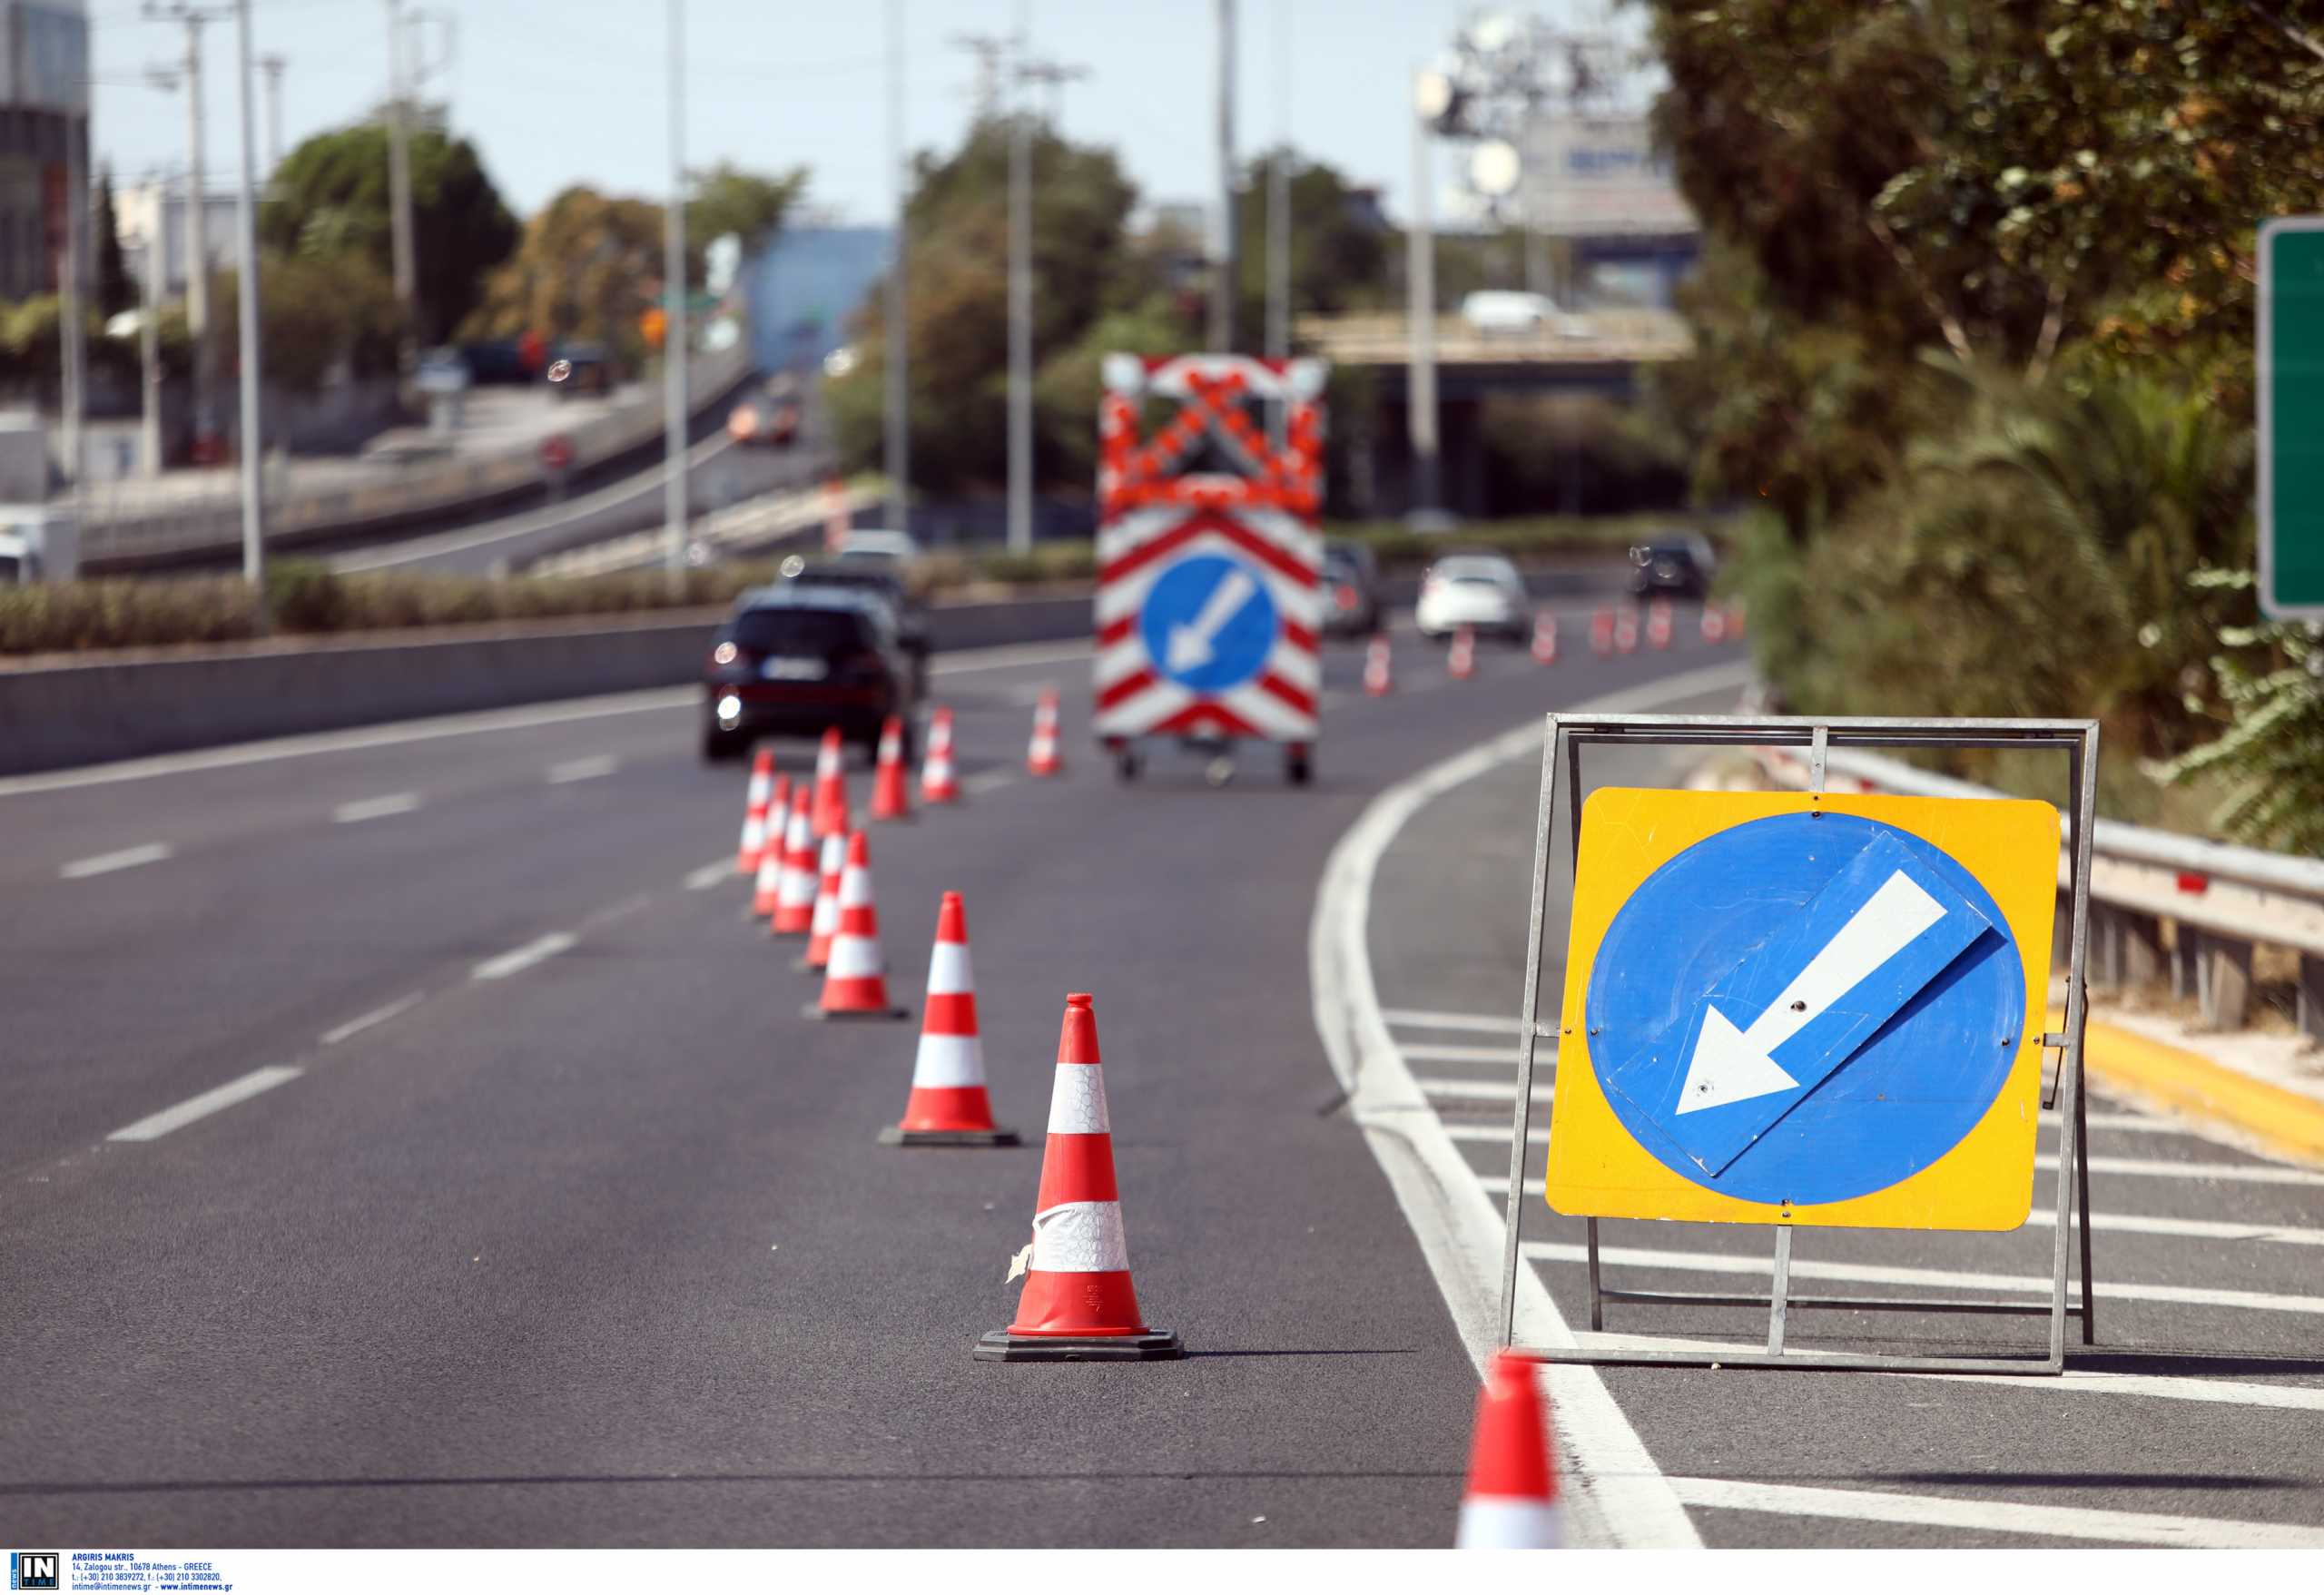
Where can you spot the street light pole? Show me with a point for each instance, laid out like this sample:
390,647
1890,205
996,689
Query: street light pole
898,377
1419,275
273,66
674,337
406,271
1223,285
1020,302
246,297
197,239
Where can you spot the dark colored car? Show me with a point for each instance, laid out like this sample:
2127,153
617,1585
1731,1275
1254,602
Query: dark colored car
793,660
1351,590
881,577
578,369
1675,568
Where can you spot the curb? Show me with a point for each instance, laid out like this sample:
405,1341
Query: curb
2288,1123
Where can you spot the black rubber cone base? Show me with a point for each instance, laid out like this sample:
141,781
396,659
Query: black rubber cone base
814,1010
1153,1346
896,1135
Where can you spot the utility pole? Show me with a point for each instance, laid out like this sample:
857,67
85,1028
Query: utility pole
1222,285
246,292
1419,275
149,354
273,66
72,274
1020,326
899,372
992,50
674,337
197,242
406,275
1278,333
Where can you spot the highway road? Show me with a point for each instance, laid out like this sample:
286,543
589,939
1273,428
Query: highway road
410,1142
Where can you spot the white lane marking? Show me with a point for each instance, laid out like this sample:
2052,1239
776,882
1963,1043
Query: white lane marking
378,1016
1481,1090
1453,1053
2208,1229
519,718
155,1125
2251,1174
710,874
518,960
1498,1135
985,781
377,808
1618,1495
128,858
1933,1278
1984,1515
588,769
1431,1020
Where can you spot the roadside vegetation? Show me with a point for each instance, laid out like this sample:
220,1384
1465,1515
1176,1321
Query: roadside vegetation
1974,338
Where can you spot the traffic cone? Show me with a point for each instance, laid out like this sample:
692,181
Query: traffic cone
1545,637
936,783
1078,1305
1657,623
824,925
1040,758
1379,672
1714,624
767,892
1602,631
831,786
888,799
1511,1504
794,903
948,1106
1626,631
1460,660
1735,618
855,980
747,856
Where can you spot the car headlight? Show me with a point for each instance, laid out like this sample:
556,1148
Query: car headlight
724,654
730,709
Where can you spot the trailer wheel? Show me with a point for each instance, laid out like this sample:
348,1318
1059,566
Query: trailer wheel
1295,768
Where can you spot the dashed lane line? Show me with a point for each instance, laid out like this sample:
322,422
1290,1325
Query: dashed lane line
588,769
377,808
985,781
518,960
710,875
128,858
378,1016
1931,1278
153,1126
1984,1515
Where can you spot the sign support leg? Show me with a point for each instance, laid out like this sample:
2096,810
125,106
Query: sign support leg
1597,1294
1781,1295
1511,1233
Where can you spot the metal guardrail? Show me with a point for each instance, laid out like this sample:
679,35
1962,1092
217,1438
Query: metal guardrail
2222,901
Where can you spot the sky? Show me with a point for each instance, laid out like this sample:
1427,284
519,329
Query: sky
558,91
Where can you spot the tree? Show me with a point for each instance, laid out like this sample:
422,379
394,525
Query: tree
587,267
315,318
1339,244
727,199
330,200
2270,749
115,292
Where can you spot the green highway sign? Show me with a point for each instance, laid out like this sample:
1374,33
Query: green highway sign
2291,418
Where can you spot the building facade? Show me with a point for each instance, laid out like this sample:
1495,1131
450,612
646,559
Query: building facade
44,137
150,217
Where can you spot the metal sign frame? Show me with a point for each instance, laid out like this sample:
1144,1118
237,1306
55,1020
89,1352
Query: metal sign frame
1562,770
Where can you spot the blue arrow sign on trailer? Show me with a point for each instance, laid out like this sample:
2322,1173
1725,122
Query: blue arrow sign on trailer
1208,622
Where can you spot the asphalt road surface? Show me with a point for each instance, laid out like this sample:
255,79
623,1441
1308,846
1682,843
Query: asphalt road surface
483,1183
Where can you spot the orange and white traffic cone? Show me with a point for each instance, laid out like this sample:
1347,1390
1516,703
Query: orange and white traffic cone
1714,624
1461,659
1511,1504
1041,758
937,783
766,893
1602,631
824,925
1657,623
747,856
855,980
831,786
949,1105
1626,631
1379,670
889,801
1078,1304
794,902
1545,637
1735,618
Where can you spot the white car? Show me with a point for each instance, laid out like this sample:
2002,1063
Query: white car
868,544
1480,591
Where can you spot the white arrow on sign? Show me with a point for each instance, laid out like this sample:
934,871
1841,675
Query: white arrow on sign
1190,642
1735,1066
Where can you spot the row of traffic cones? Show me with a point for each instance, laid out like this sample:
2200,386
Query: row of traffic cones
1611,630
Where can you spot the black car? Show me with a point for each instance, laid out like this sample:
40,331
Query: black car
1351,590
578,369
793,660
1675,568
880,577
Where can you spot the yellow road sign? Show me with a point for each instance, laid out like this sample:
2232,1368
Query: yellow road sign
1787,1007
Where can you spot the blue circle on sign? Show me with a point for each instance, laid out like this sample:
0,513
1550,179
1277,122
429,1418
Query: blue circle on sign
1208,622
1830,1045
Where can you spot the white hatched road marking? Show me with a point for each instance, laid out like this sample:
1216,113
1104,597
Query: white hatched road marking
710,874
2210,1229
2249,1174
128,858
985,781
518,960
155,1125
1985,1515
378,1016
377,808
1454,1052
1934,1279
1477,1091
1434,1019
588,769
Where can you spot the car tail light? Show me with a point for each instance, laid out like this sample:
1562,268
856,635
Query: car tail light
1344,595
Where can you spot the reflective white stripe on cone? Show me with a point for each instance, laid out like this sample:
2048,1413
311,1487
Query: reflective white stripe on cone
831,786
754,806
794,908
824,925
937,783
855,979
949,1102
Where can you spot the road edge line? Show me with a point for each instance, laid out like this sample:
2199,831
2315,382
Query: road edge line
2289,1124
1624,1497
